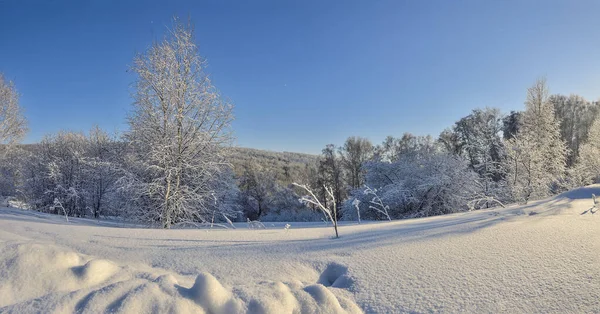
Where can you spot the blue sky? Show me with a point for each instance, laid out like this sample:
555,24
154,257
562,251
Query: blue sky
303,74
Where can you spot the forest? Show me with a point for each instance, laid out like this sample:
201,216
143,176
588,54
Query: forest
176,164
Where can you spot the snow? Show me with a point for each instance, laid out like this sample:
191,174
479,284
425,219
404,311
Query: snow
496,260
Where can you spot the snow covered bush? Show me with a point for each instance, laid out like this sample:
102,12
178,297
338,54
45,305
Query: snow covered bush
415,185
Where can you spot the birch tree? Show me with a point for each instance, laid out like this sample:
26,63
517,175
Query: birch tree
13,127
178,128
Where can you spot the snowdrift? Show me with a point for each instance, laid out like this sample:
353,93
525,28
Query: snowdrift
539,257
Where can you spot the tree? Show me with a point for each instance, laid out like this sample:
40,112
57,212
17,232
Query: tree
13,125
451,142
178,128
589,155
101,170
330,175
575,116
394,148
258,187
63,166
511,124
354,153
536,155
479,138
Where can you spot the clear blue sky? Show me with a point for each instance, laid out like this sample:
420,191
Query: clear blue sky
303,74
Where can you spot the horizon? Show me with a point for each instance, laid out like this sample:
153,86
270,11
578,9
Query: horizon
303,75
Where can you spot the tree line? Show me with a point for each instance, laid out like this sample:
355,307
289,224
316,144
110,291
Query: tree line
175,165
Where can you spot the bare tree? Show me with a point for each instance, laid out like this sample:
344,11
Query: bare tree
13,125
258,188
354,153
331,175
179,126
330,212
100,170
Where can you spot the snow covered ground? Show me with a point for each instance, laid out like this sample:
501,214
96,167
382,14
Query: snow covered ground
500,260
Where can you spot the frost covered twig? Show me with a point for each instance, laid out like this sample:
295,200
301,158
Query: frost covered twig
356,204
255,224
312,199
58,204
379,206
485,199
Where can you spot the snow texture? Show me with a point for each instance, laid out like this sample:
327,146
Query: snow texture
497,260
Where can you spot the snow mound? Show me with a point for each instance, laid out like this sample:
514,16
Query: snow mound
335,275
34,270
43,277
316,298
208,292
581,193
95,271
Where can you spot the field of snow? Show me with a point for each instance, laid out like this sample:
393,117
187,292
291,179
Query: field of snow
542,257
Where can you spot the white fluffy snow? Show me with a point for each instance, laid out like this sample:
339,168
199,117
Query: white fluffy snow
499,260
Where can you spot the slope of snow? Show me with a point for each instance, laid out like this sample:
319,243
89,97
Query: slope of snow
541,257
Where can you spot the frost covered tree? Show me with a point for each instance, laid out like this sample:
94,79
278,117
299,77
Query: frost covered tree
354,153
102,169
589,154
511,124
479,140
575,116
331,175
178,128
258,187
11,176
59,176
393,148
13,125
536,156
451,142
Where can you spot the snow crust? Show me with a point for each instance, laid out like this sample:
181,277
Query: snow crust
540,258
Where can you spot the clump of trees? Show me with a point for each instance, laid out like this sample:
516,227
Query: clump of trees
78,171
175,165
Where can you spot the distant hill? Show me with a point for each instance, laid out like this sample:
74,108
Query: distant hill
279,162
